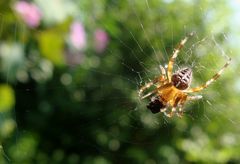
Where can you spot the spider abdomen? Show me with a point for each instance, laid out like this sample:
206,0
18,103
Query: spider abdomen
182,78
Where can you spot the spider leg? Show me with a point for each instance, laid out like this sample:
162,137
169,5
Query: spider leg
175,54
146,86
152,92
149,94
197,97
215,77
170,114
180,112
164,110
180,104
164,81
159,80
189,98
172,110
163,71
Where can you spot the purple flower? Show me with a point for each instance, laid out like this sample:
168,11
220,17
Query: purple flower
100,40
78,35
29,12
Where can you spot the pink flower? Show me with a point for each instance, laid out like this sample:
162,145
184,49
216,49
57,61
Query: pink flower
77,35
100,40
29,12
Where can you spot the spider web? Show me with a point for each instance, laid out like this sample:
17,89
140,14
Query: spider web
198,47
204,54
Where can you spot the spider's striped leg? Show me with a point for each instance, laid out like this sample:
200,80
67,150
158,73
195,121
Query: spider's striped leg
180,112
189,98
163,71
174,108
215,77
170,114
149,94
163,77
152,92
164,110
197,97
146,86
159,80
180,105
175,54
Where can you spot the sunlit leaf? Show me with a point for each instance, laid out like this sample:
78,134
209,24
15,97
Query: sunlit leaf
7,99
52,46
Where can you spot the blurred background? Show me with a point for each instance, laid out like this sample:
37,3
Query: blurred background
70,71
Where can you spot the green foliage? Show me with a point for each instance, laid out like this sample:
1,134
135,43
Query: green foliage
51,43
61,104
7,95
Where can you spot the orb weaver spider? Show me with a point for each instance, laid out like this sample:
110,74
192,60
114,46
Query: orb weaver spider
172,90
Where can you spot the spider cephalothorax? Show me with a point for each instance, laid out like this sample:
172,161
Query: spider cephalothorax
172,90
182,78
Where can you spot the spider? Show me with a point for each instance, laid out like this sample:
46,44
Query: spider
172,90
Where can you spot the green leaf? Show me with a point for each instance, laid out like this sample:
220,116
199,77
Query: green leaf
51,46
7,100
